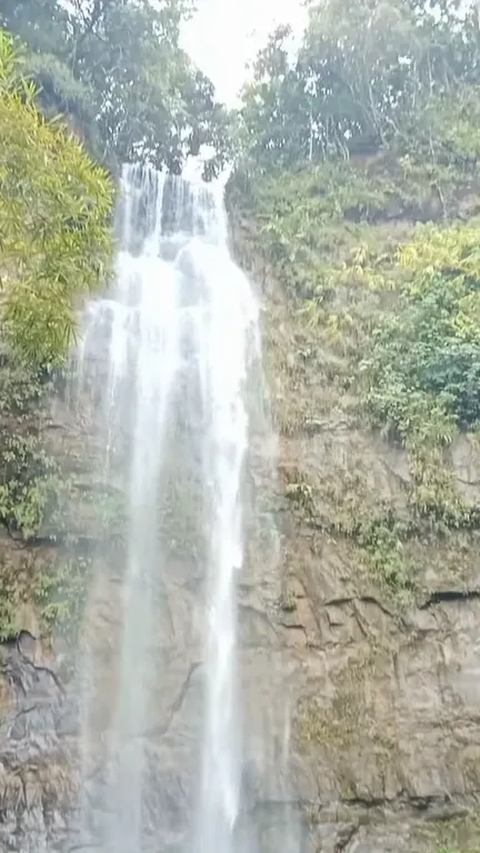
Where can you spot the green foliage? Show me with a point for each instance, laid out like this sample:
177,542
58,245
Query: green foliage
57,587
423,371
32,488
312,224
117,70
302,218
22,390
421,367
59,92
343,721
401,313
417,375
382,540
55,208
13,586
379,535
300,493
384,74
34,494
444,849
60,592
447,132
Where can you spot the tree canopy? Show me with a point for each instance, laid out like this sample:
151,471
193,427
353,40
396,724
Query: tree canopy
365,76
115,67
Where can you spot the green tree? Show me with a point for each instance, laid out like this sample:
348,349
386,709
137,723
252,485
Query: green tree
55,209
117,70
380,74
275,113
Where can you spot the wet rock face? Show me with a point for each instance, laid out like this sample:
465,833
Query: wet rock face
36,782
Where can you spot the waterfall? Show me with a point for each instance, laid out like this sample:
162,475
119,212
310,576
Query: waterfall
165,359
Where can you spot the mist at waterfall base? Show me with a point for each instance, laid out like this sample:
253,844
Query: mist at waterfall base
167,356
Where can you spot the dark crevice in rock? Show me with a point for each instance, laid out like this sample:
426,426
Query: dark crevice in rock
255,611
361,626
434,807
362,599
447,812
424,803
56,426
313,427
17,653
296,626
344,836
448,595
176,704
365,802
50,673
83,543
472,483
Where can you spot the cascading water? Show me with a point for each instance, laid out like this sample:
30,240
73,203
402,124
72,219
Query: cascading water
167,352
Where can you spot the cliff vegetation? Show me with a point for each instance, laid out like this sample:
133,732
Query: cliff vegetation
358,190
355,203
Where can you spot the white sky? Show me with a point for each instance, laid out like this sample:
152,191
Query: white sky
225,34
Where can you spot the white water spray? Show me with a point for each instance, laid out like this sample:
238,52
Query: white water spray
171,342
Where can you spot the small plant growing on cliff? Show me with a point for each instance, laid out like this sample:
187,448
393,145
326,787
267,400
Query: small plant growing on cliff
60,592
31,486
300,495
443,849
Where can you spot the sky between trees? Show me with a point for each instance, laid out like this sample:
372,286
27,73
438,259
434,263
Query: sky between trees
225,35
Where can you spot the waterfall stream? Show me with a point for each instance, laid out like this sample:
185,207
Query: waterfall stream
167,353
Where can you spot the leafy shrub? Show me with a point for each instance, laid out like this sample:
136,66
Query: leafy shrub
55,208
32,488
423,371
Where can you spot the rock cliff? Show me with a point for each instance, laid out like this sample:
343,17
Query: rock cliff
380,605
359,649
